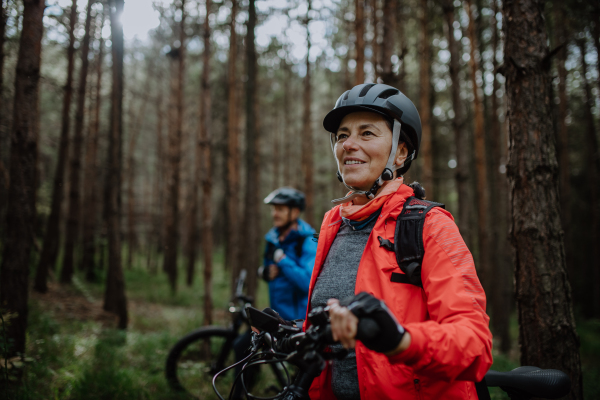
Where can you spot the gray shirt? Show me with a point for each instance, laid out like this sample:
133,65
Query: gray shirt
337,280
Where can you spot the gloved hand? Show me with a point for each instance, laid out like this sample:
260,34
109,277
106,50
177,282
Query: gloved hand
364,305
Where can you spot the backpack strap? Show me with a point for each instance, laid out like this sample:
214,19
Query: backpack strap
299,245
408,239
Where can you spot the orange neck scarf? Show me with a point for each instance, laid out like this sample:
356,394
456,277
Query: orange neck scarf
358,213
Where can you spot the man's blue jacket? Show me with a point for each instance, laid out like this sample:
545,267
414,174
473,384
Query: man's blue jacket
289,290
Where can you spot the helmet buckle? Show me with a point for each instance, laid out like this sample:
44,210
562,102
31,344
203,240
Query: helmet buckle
387,175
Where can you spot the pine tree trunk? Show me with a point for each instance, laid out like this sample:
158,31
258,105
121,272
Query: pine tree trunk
74,216
4,182
458,126
501,274
205,155
375,40
232,244
287,137
480,161
250,256
547,333
389,35
307,139
593,171
20,221
424,102
115,300
175,134
52,233
359,26
159,173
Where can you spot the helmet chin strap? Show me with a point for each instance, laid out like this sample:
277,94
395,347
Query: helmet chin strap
386,175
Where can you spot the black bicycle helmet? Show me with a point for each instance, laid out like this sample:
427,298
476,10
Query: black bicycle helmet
287,196
382,99
396,108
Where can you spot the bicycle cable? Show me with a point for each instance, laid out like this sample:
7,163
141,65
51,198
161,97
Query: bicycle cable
261,362
227,369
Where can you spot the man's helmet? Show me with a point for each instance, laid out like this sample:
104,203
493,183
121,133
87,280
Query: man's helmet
287,196
395,107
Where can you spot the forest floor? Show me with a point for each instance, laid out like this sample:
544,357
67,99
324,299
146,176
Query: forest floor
75,352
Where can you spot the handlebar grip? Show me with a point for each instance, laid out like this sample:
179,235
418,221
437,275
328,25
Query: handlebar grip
367,329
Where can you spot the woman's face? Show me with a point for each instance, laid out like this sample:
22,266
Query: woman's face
362,148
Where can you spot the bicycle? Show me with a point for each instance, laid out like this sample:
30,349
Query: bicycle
195,358
306,350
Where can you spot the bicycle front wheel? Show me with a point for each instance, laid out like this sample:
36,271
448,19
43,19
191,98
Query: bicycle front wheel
197,357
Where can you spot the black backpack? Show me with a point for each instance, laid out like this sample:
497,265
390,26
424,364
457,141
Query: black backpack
408,240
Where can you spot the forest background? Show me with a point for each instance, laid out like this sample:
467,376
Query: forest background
132,167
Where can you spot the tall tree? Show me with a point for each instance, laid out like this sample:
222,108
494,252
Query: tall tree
593,172
389,36
177,56
547,335
205,140
115,300
480,158
307,139
52,234
501,273
232,245
74,216
90,170
424,100
20,221
251,224
458,126
359,26
375,39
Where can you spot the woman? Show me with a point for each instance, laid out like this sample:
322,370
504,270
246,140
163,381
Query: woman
437,341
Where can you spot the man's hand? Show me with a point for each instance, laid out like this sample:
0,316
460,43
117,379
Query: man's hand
273,271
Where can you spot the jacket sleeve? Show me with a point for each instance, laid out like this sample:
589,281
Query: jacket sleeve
456,343
299,273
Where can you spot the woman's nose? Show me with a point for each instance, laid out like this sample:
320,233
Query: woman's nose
349,144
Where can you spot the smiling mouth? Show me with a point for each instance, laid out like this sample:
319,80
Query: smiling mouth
352,162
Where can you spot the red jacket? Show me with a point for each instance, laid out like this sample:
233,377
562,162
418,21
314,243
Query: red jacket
451,343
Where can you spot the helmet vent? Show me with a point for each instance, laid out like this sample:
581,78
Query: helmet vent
346,95
388,93
365,89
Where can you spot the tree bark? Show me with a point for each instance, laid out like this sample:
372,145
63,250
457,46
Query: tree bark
359,26
90,186
115,300
563,137
232,243
74,216
175,133
250,257
307,139
159,174
287,137
389,36
424,102
593,171
547,333
20,221
458,126
52,233
480,161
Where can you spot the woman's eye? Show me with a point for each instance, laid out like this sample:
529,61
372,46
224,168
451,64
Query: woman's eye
341,136
368,133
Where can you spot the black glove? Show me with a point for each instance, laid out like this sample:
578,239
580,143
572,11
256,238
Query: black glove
365,306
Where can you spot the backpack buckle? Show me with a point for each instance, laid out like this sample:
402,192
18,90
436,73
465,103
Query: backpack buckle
388,245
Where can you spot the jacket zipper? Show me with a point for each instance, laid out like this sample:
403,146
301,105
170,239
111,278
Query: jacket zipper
418,388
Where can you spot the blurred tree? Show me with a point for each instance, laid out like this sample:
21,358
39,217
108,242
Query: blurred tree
177,56
359,26
90,170
115,300
389,42
375,38
480,160
307,133
425,150
52,234
20,221
547,333
74,209
232,239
